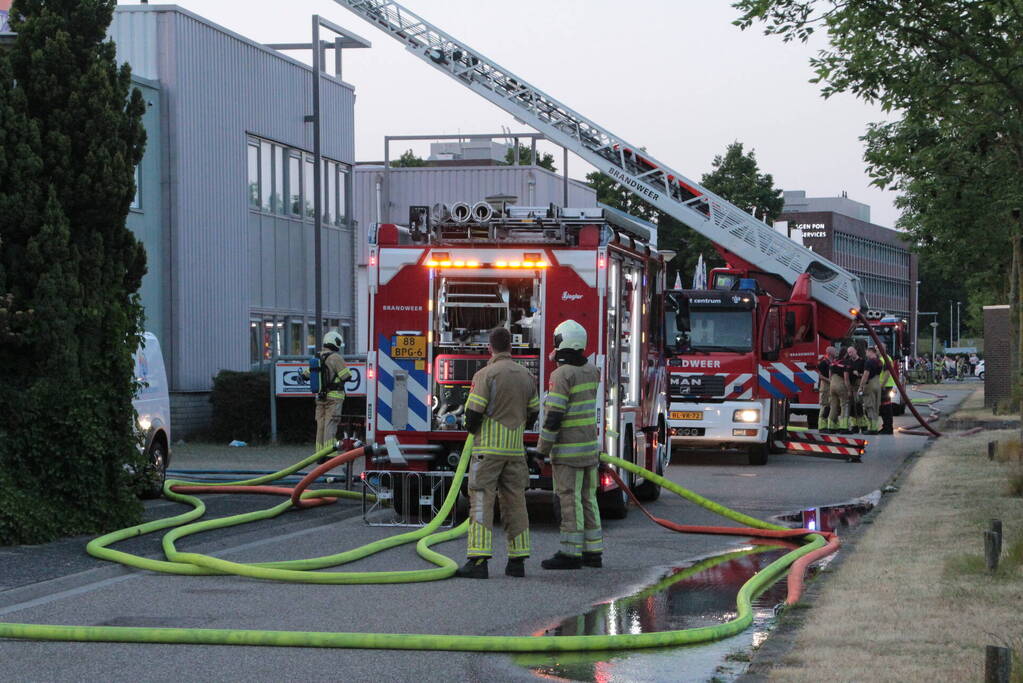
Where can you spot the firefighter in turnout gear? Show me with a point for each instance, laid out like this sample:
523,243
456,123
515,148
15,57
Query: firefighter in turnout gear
887,391
569,436
331,397
824,387
838,392
502,402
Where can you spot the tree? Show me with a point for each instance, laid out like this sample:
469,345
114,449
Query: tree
543,159
735,176
70,137
951,70
408,159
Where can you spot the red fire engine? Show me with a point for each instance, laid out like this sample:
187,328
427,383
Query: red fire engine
438,286
822,300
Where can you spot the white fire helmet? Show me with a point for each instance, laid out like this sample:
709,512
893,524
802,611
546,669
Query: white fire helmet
570,335
334,338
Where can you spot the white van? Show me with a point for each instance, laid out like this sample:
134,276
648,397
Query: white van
152,405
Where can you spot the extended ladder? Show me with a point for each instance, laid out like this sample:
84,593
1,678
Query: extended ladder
726,225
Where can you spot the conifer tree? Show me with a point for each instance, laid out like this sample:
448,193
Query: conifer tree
70,317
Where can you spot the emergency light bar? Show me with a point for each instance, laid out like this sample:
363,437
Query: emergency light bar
496,264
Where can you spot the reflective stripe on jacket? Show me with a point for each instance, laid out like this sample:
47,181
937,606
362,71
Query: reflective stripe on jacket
572,392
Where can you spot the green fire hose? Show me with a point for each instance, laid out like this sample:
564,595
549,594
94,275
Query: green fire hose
178,562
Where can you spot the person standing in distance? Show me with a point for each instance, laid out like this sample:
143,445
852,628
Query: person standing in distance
824,388
569,436
331,397
502,401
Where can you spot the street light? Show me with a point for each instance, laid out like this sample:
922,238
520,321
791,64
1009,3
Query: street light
934,343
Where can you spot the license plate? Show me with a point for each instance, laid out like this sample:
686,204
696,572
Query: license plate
685,415
409,346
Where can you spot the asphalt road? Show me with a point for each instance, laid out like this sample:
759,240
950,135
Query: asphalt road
68,587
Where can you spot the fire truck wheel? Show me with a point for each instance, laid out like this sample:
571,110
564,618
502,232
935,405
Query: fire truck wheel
648,491
813,419
613,504
758,454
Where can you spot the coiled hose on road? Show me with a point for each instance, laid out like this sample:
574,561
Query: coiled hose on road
178,562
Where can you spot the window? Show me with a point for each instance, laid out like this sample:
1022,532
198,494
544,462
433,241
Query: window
295,185
136,201
296,336
278,192
265,176
307,190
329,187
253,175
342,195
255,343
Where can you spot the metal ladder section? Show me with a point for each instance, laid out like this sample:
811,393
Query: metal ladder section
818,445
726,225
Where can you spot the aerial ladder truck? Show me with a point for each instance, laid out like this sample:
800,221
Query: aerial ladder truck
767,266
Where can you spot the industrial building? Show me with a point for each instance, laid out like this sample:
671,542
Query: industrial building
225,195
839,229
465,170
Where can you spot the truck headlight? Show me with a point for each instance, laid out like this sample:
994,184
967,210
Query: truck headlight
891,394
746,415
145,423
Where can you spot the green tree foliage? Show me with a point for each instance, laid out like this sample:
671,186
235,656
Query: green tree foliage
951,71
70,137
543,159
408,159
735,176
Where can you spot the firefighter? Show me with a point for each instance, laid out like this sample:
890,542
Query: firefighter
569,436
853,373
870,390
823,387
331,397
838,390
887,389
502,401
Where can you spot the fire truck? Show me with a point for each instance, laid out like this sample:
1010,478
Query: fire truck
439,285
739,361
823,299
894,334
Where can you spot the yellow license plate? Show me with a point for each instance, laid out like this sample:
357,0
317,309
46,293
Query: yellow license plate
409,346
682,415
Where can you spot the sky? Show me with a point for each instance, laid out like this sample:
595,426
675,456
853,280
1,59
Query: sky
674,76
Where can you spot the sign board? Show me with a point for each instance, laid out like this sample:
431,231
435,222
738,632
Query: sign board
289,381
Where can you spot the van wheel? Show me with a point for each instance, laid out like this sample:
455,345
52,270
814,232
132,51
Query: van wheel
155,472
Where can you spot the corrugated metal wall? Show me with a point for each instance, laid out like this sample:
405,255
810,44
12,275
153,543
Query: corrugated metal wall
218,87
429,185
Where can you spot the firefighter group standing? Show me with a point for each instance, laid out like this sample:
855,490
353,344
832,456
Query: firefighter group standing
502,402
855,390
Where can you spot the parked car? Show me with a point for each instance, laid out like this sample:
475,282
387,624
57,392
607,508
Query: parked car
152,405
979,370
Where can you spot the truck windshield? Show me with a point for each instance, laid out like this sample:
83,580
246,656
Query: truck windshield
710,329
885,334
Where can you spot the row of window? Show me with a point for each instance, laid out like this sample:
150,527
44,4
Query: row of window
278,335
878,252
875,287
281,182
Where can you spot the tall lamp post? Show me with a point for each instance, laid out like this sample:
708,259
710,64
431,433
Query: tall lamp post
934,344
916,318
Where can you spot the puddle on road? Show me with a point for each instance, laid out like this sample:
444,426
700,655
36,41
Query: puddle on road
689,596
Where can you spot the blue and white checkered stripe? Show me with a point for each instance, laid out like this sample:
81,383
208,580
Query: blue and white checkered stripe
418,395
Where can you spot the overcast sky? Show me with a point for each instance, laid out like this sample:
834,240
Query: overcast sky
674,76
